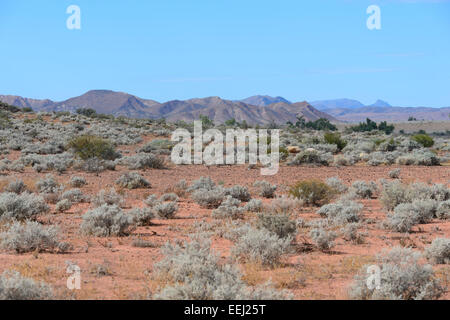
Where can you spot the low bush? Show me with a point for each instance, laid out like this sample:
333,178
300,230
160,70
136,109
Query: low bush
254,205
48,185
266,190
229,209
336,184
323,239
17,186
312,192
341,212
239,192
209,198
204,183
402,277
194,272
77,182
279,224
87,147
424,139
107,221
443,210
13,286
394,174
335,138
363,189
439,251
74,196
142,216
32,236
109,197
63,205
21,207
260,246
144,161
166,210
132,180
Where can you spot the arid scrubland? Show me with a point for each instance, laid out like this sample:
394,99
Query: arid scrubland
101,193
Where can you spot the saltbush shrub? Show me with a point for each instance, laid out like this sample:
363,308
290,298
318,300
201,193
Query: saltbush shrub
323,239
239,192
266,190
402,277
32,236
77,182
21,207
109,197
14,286
260,246
341,212
279,224
209,198
363,189
439,251
194,272
132,180
106,221
229,208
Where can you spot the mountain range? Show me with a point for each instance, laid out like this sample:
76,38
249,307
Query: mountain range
254,110
268,110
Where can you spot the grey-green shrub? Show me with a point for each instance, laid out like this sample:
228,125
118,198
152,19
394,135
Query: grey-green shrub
336,184
48,185
74,196
403,277
166,210
438,252
108,197
204,183
260,246
363,189
132,180
323,239
13,286
197,274
266,190
17,186
106,221
239,192
209,198
279,224
254,205
394,174
229,208
443,210
32,236
341,212
63,205
21,207
142,216
77,182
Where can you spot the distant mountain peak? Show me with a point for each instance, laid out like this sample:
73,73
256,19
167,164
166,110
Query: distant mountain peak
264,100
380,103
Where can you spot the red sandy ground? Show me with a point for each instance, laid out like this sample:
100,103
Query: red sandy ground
309,275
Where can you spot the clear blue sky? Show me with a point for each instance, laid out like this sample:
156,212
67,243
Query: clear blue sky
179,49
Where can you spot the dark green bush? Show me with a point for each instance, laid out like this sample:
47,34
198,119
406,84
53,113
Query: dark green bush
424,139
313,192
88,147
335,138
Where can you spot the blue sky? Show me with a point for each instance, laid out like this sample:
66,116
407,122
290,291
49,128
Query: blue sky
178,49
